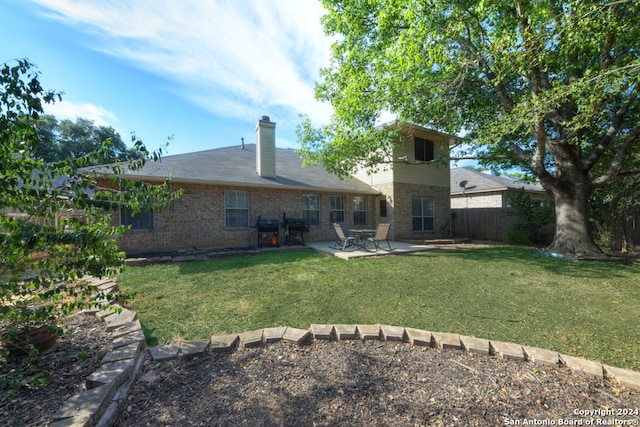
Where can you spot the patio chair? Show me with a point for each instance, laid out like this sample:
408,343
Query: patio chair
382,234
342,240
346,227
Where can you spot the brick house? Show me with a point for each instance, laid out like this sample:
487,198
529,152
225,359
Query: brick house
473,189
226,190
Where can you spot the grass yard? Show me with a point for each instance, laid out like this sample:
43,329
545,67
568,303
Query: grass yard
505,293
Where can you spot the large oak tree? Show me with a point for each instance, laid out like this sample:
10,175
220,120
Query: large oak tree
547,86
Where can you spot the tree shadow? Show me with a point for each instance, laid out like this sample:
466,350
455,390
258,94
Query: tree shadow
521,254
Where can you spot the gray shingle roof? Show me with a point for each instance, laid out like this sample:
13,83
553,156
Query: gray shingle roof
478,182
237,166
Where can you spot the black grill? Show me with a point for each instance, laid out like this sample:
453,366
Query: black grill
295,229
268,229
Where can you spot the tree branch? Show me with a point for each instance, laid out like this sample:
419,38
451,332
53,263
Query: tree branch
618,159
607,138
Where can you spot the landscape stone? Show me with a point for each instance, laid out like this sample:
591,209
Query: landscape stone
86,406
368,332
109,286
272,335
345,332
136,336
625,377
418,337
542,356
446,340
251,338
110,311
120,319
506,350
223,343
295,335
114,372
587,366
127,329
130,351
322,332
164,352
193,348
475,345
392,333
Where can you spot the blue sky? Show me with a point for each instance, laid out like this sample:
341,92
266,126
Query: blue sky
201,71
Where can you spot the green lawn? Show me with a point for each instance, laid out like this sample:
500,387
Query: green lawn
505,293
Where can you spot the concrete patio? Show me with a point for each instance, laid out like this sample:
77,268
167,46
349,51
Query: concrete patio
398,248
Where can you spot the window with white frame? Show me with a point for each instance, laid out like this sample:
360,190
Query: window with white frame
236,208
359,210
336,212
422,213
138,221
311,209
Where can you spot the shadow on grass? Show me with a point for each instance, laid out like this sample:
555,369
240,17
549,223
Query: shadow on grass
244,261
521,254
149,338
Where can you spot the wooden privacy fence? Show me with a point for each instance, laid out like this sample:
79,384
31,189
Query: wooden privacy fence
481,223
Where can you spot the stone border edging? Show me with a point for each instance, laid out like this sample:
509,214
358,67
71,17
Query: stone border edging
108,387
417,337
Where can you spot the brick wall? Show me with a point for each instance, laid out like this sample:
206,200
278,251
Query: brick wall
197,218
402,194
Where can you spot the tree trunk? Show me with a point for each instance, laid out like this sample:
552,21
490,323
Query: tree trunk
572,233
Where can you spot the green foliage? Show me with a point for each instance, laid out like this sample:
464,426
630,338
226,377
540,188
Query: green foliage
55,225
612,209
68,140
533,216
30,372
548,87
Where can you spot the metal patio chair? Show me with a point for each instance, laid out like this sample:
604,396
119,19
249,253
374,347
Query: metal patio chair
342,240
382,235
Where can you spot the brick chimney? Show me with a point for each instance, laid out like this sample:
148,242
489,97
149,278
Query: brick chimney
266,148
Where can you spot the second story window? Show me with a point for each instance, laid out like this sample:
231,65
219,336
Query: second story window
423,149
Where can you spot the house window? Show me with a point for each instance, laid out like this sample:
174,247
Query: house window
422,213
359,210
139,221
423,149
336,211
311,209
236,208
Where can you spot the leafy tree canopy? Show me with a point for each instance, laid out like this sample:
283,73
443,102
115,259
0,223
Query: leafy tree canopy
68,140
550,87
55,225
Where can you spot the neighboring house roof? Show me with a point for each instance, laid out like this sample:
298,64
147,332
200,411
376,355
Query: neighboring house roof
237,166
479,182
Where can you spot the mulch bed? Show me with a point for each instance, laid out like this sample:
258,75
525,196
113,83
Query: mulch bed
76,356
349,383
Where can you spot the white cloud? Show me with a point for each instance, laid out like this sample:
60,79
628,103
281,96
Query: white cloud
68,110
229,56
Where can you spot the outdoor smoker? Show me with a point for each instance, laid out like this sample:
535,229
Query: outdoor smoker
268,229
295,229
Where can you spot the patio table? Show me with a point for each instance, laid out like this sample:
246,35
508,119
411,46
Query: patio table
361,235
